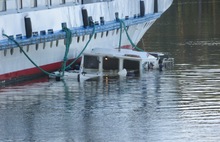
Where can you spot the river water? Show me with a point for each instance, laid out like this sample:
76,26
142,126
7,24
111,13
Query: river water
176,105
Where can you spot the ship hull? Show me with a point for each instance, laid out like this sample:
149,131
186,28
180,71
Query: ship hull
48,50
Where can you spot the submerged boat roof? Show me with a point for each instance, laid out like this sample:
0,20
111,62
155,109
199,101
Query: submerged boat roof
120,53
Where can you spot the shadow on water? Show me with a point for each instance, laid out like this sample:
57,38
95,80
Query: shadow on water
174,105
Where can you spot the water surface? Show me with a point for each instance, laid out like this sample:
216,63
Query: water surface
176,105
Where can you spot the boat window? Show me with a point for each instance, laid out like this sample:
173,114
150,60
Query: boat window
34,3
21,4
102,34
131,65
91,62
110,63
63,1
83,38
107,33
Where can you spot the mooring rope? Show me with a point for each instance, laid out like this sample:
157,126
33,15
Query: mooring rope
90,38
68,42
44,71
129,38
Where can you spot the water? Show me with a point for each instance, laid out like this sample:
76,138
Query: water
179,105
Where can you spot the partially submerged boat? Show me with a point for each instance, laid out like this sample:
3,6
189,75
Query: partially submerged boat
122,62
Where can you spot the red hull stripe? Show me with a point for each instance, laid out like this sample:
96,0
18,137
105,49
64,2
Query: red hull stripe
30,72
34,71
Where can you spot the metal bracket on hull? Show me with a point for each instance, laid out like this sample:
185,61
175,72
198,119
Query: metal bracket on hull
80,31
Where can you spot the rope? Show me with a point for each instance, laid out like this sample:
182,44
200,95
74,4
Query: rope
27,55
68,42
129,38
120,37
93,32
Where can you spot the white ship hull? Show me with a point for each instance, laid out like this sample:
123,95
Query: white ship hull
47,50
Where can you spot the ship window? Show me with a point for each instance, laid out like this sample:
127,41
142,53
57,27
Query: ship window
131,65
107,33
102,34
78,39
83,38
21,4
63,1
3,5
91,62
110,63
34,3
5,52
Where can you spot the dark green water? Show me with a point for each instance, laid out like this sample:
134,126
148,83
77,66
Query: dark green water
178,105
